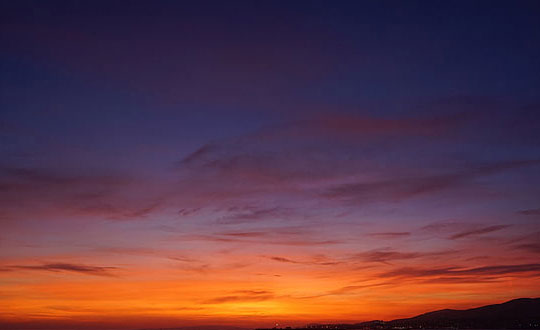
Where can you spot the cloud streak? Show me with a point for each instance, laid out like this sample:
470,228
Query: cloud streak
399,189
319,260
479,231
67,194
242,296
388,255
243,240
68,267
533,212
495,270
389,235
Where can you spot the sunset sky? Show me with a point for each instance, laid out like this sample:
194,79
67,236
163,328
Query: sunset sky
177,163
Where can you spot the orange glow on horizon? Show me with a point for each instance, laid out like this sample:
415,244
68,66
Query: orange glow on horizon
243,297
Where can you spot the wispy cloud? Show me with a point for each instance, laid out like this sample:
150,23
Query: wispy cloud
397,189
387,255
530,212
530,247
479,231
461,280
250,240
183,259
242,296
269,233
456,230
68,193
250,214
354,288
68,267
279,159
347,290
389,235
319,260
457,271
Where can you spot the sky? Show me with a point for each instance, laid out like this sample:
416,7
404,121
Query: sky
186,163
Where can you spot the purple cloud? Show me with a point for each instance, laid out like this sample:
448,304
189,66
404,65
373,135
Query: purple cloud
69,267
479,231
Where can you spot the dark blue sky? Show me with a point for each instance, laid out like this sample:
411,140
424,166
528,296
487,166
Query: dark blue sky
231,66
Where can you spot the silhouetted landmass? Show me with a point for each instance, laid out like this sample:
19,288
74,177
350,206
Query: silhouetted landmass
523,313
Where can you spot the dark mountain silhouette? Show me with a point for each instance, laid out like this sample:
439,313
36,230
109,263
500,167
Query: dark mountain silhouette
523,313
514,314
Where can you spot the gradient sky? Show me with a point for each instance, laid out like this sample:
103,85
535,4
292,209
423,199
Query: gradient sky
169,163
